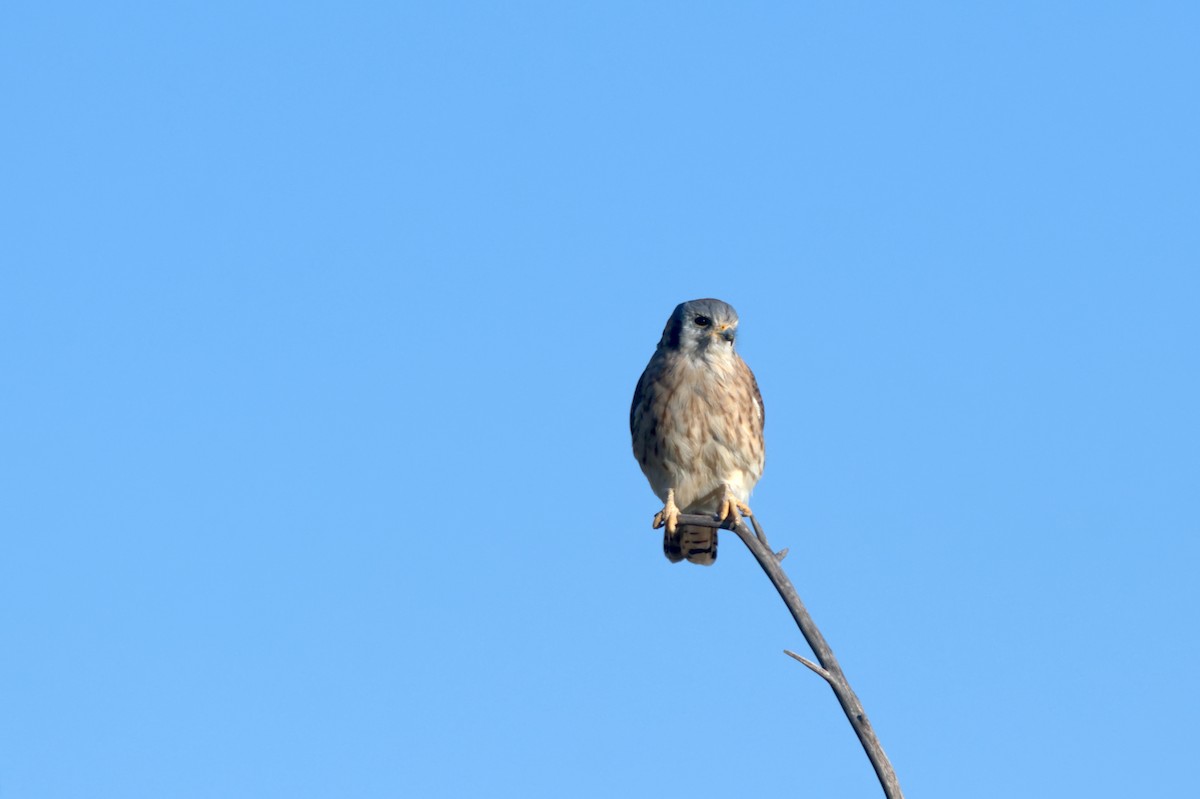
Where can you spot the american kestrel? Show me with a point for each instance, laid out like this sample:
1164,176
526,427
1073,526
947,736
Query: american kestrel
697,425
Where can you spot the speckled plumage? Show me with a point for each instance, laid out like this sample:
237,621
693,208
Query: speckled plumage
697,423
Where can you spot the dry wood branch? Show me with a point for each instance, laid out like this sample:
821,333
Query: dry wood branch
829,669
816,669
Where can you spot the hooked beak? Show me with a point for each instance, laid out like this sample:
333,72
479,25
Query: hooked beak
726,332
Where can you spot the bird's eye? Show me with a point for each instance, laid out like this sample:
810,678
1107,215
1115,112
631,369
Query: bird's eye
703,321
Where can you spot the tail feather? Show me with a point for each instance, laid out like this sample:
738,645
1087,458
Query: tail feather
691,542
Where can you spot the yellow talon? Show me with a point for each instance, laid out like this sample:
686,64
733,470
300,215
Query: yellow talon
669,515
731,505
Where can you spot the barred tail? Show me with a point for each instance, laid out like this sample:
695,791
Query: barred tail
697,544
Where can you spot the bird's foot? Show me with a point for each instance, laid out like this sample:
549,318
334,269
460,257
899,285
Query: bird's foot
669,515
731,506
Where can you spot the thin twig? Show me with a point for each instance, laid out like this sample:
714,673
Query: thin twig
829,669
758,531
820,671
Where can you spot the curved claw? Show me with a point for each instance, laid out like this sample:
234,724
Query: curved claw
669,515
731,506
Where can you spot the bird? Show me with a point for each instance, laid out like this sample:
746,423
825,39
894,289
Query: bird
697,427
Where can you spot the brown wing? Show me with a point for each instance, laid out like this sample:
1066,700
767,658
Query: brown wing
762,409
637,401
643,396
758,419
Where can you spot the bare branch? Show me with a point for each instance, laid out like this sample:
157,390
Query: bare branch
829,668
758,531
703,520
820,671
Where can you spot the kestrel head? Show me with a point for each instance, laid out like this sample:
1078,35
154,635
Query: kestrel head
697,325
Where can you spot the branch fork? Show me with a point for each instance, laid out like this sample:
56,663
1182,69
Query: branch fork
826,665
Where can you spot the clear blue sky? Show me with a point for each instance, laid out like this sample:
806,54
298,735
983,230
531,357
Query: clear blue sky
319,324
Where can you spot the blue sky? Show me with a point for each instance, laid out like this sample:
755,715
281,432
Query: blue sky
318,329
